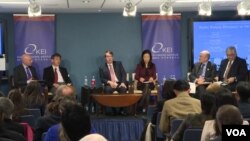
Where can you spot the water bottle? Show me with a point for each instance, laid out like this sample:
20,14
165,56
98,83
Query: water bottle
93,82
164,80
85,81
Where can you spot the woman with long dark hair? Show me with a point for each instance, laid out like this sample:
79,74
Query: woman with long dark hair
145,76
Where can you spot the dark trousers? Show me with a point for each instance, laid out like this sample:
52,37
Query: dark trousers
146,91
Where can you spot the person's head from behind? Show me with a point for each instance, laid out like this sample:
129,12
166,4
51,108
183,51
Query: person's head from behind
228,115
208,103
213,87
204,56
33,88
231,53
15,96
75,122
224,97
181,86
146,58
243,90
56,59
26,59
6,107
65,90
55,106
109,57
93,137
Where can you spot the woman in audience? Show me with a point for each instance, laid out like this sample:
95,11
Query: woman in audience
197,120
227,115
33,96
52,116
145,77
243,91
8,129
210,129
75,123
15,96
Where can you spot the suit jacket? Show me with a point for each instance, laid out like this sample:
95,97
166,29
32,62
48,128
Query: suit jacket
238,69
178,107
20,76
119,72
48,76
210,72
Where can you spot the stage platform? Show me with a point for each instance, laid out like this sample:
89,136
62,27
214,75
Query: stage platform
119,128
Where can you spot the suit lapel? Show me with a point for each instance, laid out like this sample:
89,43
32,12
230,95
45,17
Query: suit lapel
107,69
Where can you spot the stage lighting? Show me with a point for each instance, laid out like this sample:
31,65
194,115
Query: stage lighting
166,8
129,10
34,9
205,9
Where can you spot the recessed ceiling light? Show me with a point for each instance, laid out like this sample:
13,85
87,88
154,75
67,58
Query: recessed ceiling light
86,1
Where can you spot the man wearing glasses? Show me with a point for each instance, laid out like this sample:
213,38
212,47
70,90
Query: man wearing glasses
232,69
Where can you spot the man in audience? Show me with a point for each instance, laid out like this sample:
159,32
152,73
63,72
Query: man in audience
180,106
233,69
24,73
243,91
112,75
55,75
65,90
203,71
93,137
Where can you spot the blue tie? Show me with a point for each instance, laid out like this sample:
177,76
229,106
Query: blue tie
28,73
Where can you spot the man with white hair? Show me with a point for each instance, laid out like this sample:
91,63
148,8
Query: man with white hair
93,137
203,71
24,73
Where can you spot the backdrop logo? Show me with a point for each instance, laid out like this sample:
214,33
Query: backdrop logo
33,49
158,47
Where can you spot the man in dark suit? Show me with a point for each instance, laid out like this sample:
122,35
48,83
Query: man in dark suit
24,73
203,71
55,75
232,69
113,75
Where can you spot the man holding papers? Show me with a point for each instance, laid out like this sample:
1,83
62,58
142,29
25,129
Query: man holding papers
203,72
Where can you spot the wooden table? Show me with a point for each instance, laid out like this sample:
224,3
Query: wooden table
118,100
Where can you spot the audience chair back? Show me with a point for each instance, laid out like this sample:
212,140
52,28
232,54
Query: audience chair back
35,112
192,135
43,136
159,134
28,119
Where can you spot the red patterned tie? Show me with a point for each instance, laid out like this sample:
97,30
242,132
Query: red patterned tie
55,76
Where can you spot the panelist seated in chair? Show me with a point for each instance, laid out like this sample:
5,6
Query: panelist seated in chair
145,76
112,75
203,71
55,75
24,73
232,69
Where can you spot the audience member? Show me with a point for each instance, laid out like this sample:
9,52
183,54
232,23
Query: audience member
65,90
197,120
93,137
243,91
180,106
75,123
145,77
56,75
15,96
232,69
33,96
203,71
52,116
24,73
228,115
8,128
223,97
213,87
